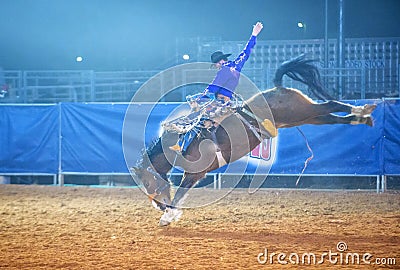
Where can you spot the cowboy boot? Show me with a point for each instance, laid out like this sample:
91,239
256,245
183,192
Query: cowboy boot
175,148
270,128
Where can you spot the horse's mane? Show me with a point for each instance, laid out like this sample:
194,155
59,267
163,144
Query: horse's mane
148,152
153,147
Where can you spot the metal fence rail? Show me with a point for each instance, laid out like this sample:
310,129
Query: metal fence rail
91,86
372,70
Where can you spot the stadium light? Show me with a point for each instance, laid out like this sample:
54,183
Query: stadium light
79,59
301,25
186,57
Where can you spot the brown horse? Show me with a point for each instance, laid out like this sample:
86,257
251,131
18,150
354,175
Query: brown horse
241,132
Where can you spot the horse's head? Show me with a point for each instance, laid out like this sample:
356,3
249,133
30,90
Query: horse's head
156,186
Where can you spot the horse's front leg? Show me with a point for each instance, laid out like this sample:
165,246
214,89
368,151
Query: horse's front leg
174,212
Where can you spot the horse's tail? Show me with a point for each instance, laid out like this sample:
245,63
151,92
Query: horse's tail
300,69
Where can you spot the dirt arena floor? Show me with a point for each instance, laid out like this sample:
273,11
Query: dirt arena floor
49,227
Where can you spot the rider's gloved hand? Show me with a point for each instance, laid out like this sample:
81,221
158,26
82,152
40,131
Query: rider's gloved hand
257,28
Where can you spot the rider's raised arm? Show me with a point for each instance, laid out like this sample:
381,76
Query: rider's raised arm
245,54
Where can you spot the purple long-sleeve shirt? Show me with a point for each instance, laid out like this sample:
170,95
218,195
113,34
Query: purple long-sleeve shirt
227,77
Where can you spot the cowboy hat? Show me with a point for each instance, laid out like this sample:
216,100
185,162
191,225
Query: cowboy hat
218,56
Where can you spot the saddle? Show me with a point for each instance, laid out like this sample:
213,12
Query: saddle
205,112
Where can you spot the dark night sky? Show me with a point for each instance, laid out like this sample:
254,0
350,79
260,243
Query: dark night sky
130,34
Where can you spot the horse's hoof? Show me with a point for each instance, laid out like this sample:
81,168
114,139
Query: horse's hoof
369,121
363,111
369,108
163,223
363,120
170,214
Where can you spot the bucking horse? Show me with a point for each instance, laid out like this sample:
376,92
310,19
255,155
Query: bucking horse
240,132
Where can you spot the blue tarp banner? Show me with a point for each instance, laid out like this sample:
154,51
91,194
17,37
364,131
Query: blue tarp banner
88,138
29,139
92,135
92,138
391,138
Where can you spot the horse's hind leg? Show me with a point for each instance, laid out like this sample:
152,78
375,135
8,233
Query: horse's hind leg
365,110
336,106
336,119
